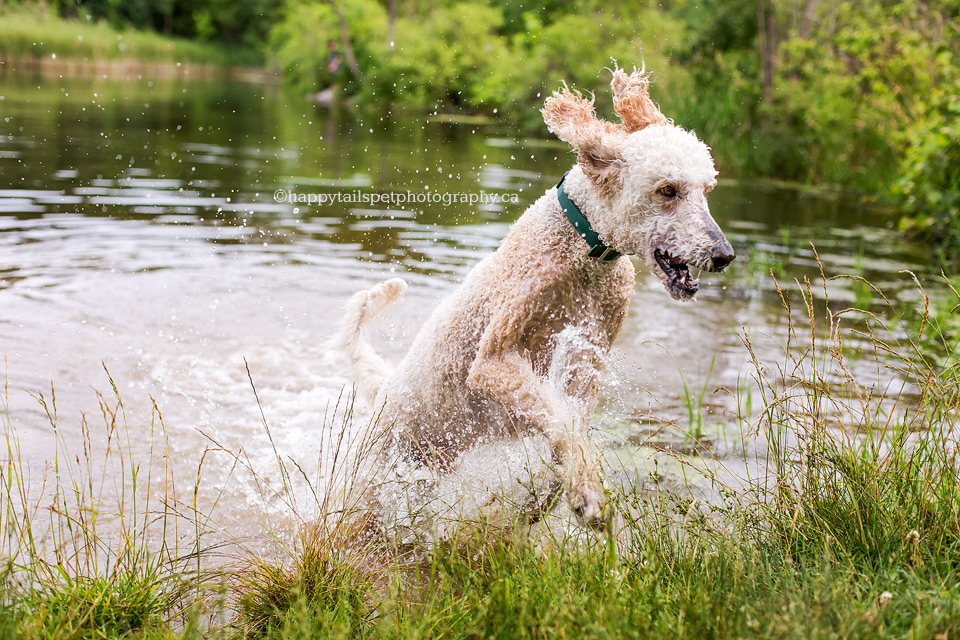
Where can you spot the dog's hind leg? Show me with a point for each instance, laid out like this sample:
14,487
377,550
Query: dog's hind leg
368,368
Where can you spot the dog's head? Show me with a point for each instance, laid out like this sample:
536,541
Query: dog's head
648,182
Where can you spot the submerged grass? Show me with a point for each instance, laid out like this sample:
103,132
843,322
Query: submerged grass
851,530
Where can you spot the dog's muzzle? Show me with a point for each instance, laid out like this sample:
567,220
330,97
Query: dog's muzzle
721,256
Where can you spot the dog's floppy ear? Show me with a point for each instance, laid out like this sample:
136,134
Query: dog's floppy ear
631,100
572,118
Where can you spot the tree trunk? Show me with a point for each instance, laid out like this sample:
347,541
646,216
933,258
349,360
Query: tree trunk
806,20
391,21
345,42
767,44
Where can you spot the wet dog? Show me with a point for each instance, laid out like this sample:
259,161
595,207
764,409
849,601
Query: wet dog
481,367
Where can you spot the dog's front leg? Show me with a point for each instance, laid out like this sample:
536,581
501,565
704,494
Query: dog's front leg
502,374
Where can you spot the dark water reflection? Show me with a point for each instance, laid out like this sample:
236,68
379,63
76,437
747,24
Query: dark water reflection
139,228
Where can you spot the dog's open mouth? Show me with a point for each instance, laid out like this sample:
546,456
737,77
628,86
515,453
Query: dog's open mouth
679,280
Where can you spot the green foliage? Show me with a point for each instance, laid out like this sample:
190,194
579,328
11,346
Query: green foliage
423,67
848,91
929,186
469,56
861,99
298,43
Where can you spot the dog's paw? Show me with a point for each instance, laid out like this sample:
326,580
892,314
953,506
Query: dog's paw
589,502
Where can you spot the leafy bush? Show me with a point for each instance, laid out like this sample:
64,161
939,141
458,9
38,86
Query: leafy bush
847,90
929,187
298,42
466,56
439,61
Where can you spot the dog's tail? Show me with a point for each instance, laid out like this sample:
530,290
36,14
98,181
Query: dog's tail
367,368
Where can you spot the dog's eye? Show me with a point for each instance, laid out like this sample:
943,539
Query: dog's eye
668,191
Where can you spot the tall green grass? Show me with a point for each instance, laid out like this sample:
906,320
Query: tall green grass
850,530
869,471
34,33
87,550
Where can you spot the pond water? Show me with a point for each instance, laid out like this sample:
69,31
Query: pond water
139,232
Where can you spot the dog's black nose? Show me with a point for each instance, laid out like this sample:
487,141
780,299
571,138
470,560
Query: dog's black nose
723,257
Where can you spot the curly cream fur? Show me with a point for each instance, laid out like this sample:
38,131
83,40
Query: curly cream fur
481,367
631,101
